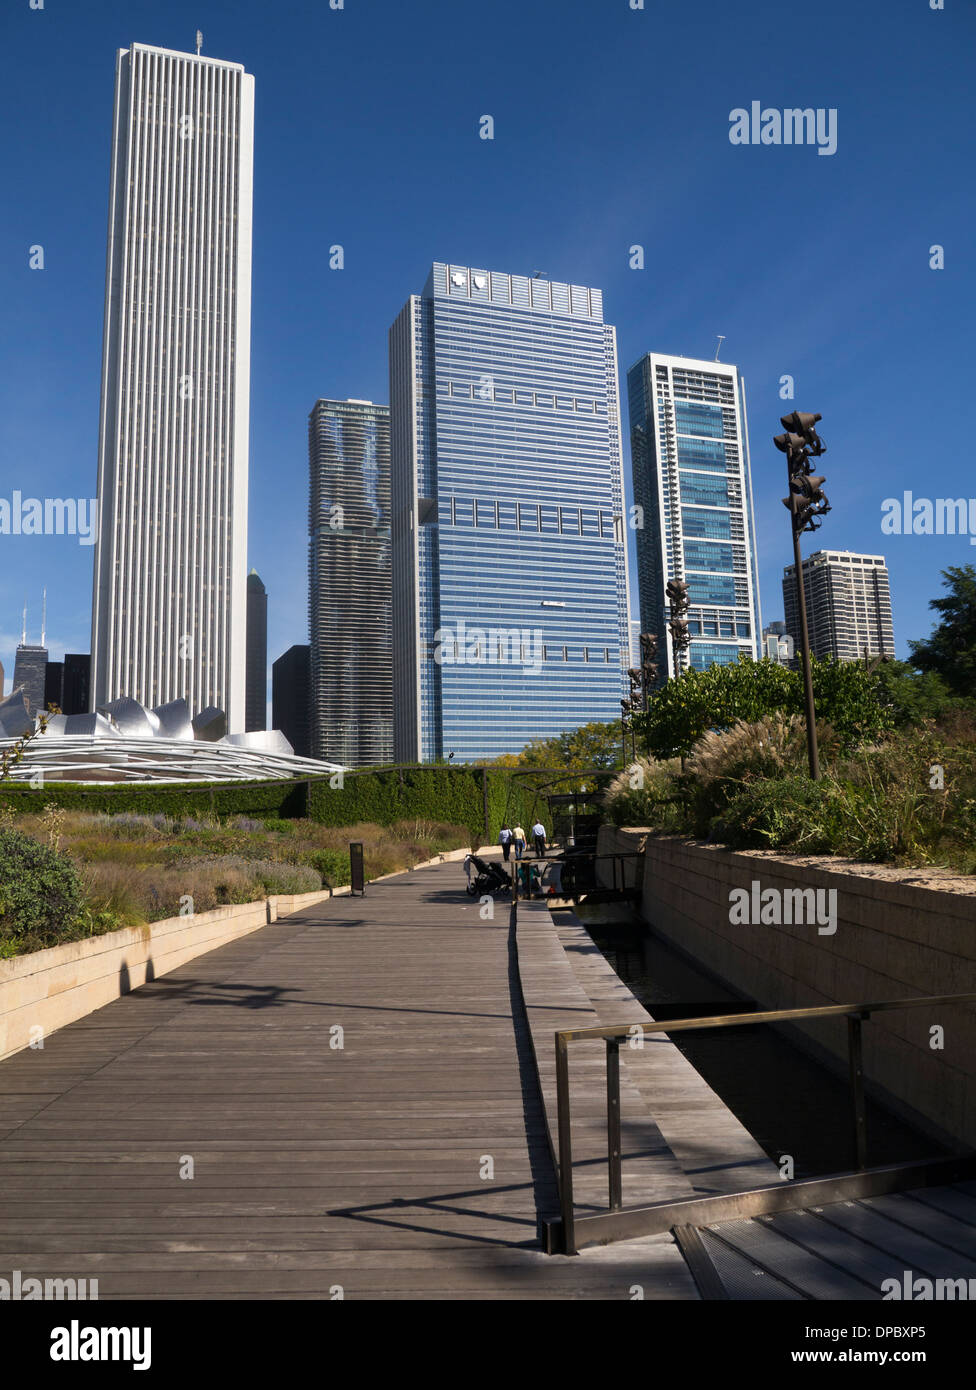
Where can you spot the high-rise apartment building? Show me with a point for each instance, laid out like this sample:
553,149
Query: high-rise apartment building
349,583
848,603
256,702
693,484
510,606
169,594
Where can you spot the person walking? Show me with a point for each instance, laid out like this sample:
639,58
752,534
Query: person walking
506,842
539,835
518,836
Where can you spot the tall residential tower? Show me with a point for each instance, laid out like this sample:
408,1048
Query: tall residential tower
848,605
693,482
349,584
510,607
169,602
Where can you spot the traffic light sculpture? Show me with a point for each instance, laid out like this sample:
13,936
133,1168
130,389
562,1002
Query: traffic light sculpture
677,592
642,681
807,504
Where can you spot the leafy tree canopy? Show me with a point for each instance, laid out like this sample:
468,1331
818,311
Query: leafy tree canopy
591,745
847,695
950,651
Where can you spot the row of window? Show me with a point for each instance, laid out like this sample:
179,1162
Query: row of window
724,627
534,516
501,654
505,395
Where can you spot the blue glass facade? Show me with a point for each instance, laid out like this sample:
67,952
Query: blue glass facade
690,450
508,513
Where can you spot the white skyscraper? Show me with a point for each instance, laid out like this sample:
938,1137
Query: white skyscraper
170,596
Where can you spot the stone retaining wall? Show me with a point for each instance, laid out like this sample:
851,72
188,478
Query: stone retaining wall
897,934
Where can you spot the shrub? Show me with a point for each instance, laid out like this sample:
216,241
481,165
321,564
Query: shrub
40,893
331,865
791,813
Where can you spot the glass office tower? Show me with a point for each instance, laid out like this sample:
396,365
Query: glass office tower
510,617
692,479
349,586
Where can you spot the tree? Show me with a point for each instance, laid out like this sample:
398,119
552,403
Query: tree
914,695
950,650
847,695
591,745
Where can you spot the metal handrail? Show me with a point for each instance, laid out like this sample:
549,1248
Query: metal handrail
854,1013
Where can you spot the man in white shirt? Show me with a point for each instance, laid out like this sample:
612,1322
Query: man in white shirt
506,841
539,835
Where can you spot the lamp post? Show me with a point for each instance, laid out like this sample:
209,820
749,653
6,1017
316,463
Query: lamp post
642,680
677,592
807,504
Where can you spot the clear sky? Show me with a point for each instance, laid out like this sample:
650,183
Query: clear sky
611,129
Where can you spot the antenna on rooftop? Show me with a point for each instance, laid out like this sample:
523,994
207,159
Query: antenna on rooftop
199,42
23,634
43,617
718,349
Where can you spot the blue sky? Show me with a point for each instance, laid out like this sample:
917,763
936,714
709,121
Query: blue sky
611,129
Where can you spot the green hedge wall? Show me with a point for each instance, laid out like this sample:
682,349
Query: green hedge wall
453,795
450,794
225,798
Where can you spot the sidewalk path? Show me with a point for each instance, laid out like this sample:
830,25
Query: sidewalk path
409,1162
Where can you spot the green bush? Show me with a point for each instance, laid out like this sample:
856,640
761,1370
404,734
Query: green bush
40,892
331,864
790,813
849,697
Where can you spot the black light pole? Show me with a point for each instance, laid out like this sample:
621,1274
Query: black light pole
677,592
642,680
807,505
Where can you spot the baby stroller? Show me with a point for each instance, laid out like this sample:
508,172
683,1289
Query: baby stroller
488,878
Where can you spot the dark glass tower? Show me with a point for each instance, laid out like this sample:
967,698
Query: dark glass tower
256,681
350,583
289,698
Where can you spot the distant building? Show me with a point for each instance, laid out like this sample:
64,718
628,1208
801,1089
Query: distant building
54,684
510,602
76,684
848,603
635,648
290,689
256,691
692,480
30,671
777,644
350,588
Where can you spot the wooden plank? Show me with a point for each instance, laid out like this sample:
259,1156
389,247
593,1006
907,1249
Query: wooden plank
365,1166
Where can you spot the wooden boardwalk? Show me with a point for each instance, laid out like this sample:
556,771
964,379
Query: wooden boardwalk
409,1163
